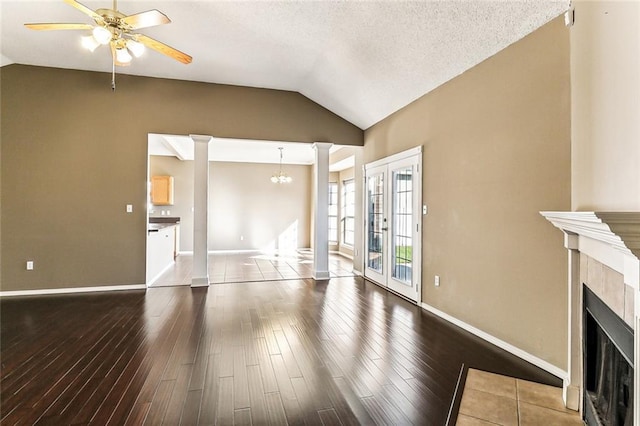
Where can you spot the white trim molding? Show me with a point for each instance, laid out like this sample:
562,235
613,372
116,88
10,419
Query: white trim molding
71,290
394,157
159,274
538,362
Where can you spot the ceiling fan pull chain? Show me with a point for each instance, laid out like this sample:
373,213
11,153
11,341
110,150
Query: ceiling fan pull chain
113,75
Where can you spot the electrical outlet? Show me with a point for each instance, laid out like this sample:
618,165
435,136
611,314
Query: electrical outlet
29,265
436,281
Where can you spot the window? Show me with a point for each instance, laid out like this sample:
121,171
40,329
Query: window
333,212
348,212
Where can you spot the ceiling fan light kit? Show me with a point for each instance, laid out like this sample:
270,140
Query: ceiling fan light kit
116,29
102,35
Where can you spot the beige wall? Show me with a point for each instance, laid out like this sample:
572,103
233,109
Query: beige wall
345,174
334,177
496,144
243,202
74,153
605,99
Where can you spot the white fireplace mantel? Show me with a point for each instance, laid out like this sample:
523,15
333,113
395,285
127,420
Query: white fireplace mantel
620,230
613,239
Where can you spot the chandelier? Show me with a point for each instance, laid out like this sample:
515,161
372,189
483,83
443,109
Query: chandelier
281,177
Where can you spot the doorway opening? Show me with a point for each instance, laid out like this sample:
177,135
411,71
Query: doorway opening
258,229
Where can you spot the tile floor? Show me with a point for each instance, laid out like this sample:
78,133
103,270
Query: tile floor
253,266
492,399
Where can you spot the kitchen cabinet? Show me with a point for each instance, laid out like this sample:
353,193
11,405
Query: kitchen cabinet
161,249
162,190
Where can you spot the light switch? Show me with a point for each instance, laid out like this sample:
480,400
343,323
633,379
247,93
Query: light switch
129,208
424,209
29,265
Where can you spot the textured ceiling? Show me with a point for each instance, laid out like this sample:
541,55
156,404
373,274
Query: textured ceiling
363,60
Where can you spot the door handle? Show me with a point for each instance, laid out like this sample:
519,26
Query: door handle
385,229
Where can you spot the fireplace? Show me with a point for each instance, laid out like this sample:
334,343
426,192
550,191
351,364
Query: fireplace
603,315
608,365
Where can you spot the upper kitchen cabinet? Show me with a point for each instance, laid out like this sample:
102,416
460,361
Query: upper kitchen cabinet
162,190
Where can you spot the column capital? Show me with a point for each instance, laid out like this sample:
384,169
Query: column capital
571,241
201,138
322,145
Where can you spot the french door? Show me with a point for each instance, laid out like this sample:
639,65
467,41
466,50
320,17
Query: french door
393,225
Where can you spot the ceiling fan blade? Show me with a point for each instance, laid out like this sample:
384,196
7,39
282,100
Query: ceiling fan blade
150,18
84,9
44,27
164,49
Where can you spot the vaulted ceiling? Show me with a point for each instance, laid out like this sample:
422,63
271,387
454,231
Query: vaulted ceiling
363,60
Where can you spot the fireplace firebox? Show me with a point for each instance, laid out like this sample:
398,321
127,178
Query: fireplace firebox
608,365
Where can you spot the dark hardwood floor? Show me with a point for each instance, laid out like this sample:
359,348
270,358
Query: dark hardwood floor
278,352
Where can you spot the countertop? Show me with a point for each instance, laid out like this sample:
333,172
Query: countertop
155,227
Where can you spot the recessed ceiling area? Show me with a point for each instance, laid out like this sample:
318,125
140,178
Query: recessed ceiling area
245,151
362,60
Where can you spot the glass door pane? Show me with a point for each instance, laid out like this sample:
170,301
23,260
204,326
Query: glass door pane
376,222
402,220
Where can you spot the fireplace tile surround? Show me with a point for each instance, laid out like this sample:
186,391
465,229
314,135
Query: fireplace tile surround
604,252
609,286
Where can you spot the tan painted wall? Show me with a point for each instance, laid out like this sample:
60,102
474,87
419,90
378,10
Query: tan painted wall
74,154
244,202
496,152
345,174
334,177
605,99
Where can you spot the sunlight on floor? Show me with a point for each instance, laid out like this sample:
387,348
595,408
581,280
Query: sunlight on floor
253,266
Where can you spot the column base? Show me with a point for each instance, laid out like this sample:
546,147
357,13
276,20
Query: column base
321,275
200,282
571,396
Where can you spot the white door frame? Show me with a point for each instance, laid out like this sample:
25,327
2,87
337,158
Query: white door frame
383,280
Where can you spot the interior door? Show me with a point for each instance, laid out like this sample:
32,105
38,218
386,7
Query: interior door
393,227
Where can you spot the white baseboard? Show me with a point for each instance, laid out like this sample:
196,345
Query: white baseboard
72,290
232,251
538,362
345,255
165,269
190,252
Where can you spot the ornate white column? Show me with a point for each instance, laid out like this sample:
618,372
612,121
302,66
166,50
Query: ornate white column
321,211
200,274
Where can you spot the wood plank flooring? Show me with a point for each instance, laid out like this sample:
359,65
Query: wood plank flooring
280,352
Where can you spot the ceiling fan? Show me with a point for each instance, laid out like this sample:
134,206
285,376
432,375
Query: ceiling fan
116,29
